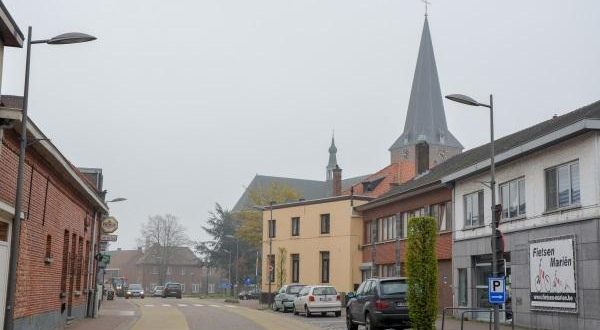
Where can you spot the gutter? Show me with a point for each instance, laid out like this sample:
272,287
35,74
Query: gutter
402,195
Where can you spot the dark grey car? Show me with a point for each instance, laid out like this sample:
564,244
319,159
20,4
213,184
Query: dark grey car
379,303
284,299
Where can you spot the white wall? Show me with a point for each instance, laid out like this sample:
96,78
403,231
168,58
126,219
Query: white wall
586,148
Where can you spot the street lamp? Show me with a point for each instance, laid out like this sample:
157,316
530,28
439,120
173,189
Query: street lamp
229,270
63,39
237,249
270,267
116,200
470,101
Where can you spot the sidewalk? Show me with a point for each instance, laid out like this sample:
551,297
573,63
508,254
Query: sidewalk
454,324
118,314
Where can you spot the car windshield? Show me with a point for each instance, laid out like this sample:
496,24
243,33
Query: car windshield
393,287
326,290
294,289
159,288
135,287
173,286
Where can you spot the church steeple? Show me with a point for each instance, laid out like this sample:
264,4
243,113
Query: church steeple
425,119
332,164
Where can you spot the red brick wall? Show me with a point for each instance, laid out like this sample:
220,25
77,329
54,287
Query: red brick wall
51,207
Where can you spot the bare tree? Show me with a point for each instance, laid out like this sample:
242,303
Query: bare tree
161,234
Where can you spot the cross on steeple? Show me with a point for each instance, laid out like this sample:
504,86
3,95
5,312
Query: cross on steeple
427,3
332,164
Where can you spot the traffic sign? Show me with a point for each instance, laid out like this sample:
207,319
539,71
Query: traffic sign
496,290
108,238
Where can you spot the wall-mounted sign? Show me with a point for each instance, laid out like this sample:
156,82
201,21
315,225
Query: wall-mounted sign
109,225
108,238
552,274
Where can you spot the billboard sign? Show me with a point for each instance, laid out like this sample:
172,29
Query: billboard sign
552,274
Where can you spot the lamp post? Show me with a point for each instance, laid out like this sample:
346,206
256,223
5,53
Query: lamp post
470,101
229,269
270,267
63,39
237,249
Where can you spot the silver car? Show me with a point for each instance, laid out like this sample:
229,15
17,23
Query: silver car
158,291
284,299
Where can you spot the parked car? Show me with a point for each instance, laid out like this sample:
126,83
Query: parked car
172,290
318,299
134,290
284,299
379,303
245,295
158,291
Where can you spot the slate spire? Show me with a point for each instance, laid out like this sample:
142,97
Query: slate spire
425,119
332,164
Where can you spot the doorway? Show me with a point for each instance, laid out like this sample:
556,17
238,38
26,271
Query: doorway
4,262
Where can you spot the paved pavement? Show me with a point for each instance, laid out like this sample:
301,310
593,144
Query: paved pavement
200,314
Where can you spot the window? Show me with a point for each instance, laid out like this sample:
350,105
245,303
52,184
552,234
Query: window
168,270
272,228
443,214
512,198
271,268
386,228
195,288
182,288
324,266
562,186
474,209
48,246
295,226
325,224
182,271
387,270
3,231
371,232
462,287
155,270
65,262
295,268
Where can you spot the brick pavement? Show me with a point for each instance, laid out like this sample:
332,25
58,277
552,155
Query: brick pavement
118,314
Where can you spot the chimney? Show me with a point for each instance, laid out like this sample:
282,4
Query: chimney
337,181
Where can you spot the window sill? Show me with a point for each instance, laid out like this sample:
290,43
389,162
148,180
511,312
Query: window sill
517,218
325,234
473,227
563,209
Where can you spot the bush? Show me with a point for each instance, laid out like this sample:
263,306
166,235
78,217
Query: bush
422,268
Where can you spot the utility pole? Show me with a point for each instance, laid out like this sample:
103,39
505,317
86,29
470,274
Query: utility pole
270,267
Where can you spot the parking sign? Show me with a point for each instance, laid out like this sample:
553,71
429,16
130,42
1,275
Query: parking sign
496,290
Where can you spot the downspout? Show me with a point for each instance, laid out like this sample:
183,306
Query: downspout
90,287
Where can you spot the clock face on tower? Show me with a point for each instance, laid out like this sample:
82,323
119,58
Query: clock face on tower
404,153
443,154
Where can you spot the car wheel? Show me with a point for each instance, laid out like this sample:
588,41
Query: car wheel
142,297
294,310
274,307
323,313
307,311
350,325
178,297
370,323
338,314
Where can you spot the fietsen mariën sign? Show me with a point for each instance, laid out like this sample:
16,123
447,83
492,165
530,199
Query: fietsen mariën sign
552,274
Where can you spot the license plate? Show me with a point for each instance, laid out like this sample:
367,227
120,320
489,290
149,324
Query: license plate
400,304
325,299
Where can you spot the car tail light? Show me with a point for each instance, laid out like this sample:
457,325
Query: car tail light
380,305
311,298
337,298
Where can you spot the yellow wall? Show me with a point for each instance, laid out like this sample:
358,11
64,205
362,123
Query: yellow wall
343,243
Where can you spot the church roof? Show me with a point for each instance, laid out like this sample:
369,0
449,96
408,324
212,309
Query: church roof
308,189
426,120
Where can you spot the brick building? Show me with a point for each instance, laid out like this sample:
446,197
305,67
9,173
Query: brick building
123,264
59,230
182,266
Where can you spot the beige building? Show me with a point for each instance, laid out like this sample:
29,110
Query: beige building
322,240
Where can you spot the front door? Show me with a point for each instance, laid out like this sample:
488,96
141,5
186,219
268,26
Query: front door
4,261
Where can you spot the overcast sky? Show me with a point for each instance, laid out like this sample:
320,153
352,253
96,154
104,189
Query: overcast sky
182,102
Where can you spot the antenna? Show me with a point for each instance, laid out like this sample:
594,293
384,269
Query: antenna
427,3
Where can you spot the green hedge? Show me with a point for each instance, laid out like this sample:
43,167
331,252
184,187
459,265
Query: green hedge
422,268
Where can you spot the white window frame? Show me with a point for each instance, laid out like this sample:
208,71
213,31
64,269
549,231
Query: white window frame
571,203
469,222
506,185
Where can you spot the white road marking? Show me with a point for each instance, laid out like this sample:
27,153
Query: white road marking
166,305
198,305
182,305
215,305
230,306
149,305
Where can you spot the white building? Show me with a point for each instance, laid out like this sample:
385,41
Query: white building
548,183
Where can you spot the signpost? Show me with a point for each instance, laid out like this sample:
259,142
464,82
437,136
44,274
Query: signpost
496,290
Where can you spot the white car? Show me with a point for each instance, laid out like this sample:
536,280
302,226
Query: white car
318,299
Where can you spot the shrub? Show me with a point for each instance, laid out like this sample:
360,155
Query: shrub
422,271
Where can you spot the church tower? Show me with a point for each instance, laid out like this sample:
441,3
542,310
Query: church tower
332,164
426,140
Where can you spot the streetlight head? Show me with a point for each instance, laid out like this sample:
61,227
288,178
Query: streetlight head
70,38
460,98
118,199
